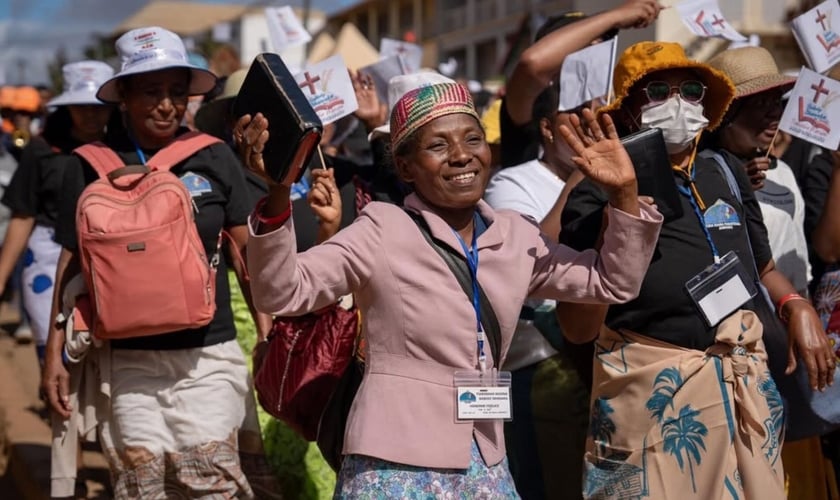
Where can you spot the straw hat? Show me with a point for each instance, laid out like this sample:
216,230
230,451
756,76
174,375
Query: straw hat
212,117
643,58
81,81
752,70
144,50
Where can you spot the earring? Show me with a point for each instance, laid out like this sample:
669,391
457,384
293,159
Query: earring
550,138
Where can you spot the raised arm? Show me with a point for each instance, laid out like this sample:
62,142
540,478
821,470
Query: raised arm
542,61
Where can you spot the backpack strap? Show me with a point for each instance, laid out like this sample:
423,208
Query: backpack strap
180,149
102,158
724,169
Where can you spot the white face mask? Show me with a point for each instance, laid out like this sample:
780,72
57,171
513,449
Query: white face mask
681,121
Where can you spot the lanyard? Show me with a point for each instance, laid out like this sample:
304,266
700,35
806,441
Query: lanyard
140,153
472,263
689,192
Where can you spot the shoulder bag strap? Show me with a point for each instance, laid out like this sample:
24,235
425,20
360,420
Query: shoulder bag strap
180,149
736,192
459,268
102,158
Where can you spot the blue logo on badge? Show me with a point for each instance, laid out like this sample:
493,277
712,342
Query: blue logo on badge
196,184
468,397
721,215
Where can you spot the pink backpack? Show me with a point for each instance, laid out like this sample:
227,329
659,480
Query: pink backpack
142,258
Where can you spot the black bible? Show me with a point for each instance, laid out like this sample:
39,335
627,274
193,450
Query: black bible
293,126
654,176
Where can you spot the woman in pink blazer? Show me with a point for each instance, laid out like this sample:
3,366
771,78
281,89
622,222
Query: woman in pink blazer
403,437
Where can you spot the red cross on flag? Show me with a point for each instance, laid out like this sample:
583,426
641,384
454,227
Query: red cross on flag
328,88
704,18
813,111
818,34
285,29
411,53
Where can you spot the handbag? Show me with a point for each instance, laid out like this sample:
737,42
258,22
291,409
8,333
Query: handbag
305,359
334,418
808,412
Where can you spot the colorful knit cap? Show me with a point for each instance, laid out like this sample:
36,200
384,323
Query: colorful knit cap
422,105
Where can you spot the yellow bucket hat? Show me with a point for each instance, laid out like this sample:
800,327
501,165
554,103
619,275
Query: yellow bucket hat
643,58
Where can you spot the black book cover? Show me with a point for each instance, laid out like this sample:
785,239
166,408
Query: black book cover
654,176
293,126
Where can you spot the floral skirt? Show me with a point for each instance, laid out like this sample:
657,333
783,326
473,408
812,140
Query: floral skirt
367,478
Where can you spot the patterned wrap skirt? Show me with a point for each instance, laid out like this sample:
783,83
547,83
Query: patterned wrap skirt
669,422
39,264
367,478
183,424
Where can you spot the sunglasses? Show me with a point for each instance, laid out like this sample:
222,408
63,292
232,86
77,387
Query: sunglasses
690,90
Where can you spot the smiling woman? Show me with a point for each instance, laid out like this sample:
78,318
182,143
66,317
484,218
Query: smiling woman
178,422
424,336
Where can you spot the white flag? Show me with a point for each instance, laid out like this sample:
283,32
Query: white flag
813,111
587,74
382,72
411,53
817,34
285,29
328,88
704,18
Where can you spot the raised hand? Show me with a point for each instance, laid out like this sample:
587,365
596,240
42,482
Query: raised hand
371,111
325,202
756,170
250,137
637,13
600,155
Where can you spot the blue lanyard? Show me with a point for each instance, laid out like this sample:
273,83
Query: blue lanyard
687,192
140,153
471,254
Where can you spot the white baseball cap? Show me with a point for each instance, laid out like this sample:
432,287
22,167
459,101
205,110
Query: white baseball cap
144,50
400,85
81,81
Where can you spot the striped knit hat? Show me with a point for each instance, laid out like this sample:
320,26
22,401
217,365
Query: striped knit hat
422,105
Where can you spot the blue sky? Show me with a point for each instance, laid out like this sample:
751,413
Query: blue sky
32,30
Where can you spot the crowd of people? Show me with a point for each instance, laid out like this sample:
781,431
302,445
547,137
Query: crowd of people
587,313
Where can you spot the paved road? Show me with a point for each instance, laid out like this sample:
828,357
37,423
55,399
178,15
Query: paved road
25,433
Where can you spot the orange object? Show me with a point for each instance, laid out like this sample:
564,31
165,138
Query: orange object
27,99
7,96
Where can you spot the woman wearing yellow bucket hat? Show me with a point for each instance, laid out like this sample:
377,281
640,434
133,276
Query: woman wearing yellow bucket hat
688,350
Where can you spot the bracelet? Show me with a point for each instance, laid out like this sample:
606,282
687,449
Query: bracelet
275,220
784,300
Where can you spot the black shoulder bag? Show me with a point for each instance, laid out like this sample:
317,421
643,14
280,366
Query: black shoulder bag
334,419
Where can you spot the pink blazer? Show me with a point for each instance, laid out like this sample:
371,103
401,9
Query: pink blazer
418,322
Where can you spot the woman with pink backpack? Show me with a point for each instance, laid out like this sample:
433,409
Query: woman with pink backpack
143,215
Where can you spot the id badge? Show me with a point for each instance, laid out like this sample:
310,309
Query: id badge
721,289
483,396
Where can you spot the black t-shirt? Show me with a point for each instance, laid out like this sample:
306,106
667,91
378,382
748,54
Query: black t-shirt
218,189
36,185
663,309
520,143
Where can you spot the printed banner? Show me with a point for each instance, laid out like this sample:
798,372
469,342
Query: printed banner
813,111
587,74
285,29
328,88
704,18
411,53
816,31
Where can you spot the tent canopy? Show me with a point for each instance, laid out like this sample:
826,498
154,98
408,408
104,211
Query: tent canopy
183,18
354,48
